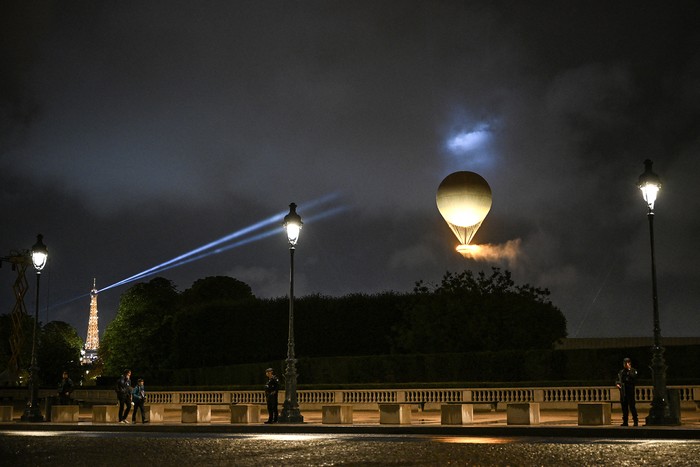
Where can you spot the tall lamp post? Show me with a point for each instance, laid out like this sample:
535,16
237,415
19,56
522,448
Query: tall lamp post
40,254
660,413
290,408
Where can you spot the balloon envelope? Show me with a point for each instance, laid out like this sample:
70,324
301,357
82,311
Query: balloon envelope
464,200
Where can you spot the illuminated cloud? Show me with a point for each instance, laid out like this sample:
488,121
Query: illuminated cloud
467,141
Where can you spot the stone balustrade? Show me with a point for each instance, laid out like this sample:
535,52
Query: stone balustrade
369,399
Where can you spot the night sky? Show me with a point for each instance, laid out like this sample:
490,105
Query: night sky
134,132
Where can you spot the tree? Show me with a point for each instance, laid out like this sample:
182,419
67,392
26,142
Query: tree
6,327
468,312
59,350
220,319
140,336
355,324
222,333
216,288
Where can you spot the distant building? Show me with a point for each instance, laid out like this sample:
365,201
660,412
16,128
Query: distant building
621,342
92,342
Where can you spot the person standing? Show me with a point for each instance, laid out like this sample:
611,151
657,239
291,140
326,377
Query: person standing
124,396
271,391
626,380
65,389
139,397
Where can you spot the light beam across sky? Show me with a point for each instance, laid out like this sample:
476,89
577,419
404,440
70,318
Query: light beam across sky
221,245
208,249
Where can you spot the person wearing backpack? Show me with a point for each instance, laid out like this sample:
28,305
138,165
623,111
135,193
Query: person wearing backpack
139,397
124,396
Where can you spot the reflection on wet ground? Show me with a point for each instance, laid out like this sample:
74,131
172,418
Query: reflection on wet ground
104,448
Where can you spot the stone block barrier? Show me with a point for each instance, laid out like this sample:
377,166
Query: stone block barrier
594,413
395,414
523,414
456,414
245,413
337,414
196,413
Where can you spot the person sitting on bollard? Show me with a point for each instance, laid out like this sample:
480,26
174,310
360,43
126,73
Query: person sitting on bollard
65,389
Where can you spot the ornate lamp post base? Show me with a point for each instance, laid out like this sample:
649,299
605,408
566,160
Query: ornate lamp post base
32,413
291,415
290,407
660,413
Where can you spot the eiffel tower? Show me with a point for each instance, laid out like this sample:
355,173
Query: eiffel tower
92,343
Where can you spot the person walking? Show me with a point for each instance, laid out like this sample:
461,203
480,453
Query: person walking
139,397
271,391
65,389
124,395
626,380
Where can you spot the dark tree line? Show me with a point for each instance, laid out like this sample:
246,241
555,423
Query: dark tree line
468,312
218,321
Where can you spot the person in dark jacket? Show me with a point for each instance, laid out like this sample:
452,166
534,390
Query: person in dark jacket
65,389
139,397
626,380
124,396
271,391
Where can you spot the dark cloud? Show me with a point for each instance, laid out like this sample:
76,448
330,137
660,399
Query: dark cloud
133,133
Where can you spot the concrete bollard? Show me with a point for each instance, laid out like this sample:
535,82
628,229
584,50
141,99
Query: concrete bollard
156,413
594,413
395,414
6,413
339,414
523,413
456,414
65,413
105,413
245,413
196,414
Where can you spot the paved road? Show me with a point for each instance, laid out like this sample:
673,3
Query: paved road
73,448
489,441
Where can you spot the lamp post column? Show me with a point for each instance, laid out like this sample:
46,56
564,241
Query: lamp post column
32,412
290,407
660,413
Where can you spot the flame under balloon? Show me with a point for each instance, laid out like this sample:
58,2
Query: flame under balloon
509,252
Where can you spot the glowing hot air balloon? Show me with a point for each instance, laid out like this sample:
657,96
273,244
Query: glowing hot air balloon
464,199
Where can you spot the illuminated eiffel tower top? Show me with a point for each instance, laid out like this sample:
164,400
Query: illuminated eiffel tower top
92,343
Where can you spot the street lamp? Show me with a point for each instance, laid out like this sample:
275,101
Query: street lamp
32,413
660,413
290,408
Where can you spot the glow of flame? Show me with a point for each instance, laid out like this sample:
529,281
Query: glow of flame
509,251
473,440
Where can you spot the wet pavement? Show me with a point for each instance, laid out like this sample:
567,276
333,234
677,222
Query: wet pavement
27,448
557,440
